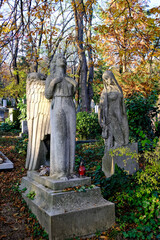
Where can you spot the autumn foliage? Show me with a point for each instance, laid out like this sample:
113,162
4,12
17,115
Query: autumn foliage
128,41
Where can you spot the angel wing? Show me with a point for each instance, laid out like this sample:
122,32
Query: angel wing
38,119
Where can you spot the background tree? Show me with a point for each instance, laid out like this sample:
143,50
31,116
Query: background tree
83,14
31,30
128,40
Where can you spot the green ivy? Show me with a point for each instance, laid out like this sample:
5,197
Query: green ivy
21,145
22,106
87,125
9,126
31,195
136,197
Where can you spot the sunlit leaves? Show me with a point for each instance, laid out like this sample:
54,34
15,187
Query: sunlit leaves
128,36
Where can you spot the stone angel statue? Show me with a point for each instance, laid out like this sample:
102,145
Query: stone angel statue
60,88
38,119
112,113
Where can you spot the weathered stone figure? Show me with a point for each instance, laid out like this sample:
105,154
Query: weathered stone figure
38,120
61,88
115,130
112,113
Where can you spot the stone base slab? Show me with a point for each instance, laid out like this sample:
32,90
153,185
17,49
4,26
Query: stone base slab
66,214
7,164
125,161
58,184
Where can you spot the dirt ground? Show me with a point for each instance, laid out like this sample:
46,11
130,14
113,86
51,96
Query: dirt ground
12,225
15,220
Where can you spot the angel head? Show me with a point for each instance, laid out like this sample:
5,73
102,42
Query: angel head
58,61
110,80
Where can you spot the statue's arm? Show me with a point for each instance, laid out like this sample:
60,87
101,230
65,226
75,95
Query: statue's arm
49,86
72,81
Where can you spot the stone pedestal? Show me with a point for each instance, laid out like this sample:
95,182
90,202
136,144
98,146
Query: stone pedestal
125,161
63,210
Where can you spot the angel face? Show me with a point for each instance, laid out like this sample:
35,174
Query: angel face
60,61
108,78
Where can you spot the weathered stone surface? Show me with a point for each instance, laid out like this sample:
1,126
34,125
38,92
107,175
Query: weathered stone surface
112,113
24,126
66,214
61,89
58,184
125,162
38,120
7,164
115,131
13,114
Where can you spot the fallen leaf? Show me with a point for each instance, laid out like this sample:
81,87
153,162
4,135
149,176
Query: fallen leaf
22,209
3,236
15,214
2,219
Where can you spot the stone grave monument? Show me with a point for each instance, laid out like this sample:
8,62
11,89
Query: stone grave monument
5,163
38,121
115,131
65,204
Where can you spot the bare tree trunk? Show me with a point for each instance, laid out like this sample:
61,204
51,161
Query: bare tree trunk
90,60
78,8
83,80
15,46
15,54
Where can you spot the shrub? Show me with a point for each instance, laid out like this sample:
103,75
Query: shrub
140,112
22,106
136,196
87,125
21,145
9,126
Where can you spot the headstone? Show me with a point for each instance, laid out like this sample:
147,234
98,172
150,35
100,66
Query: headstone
4,103
13,102
24,126
6,163
126,161
96,108
1,114
6,113
92,104
13,114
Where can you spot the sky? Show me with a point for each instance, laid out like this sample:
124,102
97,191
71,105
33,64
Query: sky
154,3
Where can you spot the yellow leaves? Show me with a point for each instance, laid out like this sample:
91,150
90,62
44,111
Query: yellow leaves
6,29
